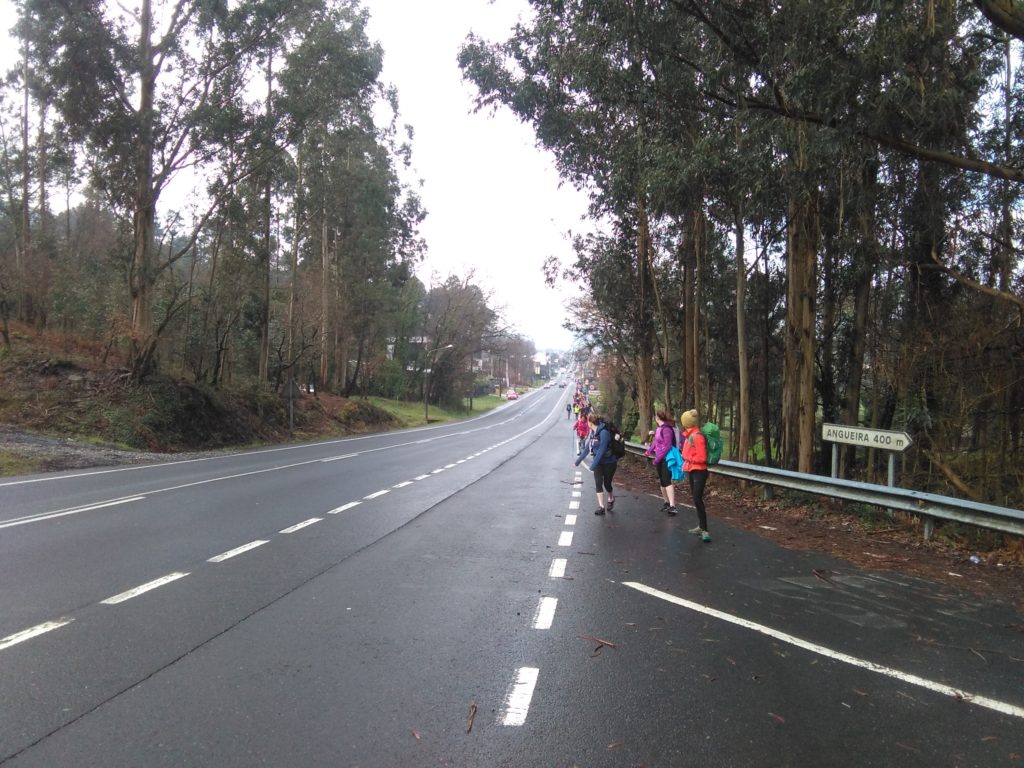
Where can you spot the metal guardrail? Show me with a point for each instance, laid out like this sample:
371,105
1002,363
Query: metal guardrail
927,505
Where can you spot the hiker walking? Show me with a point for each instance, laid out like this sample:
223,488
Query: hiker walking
604,462
664,441
582,429
568,411
695,464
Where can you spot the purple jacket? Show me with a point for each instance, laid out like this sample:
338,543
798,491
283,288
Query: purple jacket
664,439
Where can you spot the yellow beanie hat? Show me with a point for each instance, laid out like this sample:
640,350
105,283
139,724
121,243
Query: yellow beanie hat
688,419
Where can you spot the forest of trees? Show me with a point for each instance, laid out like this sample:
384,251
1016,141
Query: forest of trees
292,255
810,210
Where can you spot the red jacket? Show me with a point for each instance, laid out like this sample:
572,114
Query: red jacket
695,450
582,428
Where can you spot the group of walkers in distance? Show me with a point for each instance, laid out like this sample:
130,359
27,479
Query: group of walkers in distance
682,452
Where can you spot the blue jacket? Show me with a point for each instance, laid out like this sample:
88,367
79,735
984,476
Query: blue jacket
599,447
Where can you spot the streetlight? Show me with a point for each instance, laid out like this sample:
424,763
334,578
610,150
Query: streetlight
426,381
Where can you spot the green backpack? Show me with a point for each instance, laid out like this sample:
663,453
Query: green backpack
713,440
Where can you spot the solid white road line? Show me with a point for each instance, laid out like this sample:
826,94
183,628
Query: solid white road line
571,519
237,551
558,568
63,512
946,690
376,495
143,588
28,634
565,540
303,524
344,507
517,702
545,613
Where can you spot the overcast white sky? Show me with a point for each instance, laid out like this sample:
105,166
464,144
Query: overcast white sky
493,198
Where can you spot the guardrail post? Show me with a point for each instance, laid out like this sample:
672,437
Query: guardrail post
929,527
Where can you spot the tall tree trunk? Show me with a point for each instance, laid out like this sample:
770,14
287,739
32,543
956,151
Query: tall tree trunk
742,353
264,360
798,406
294,266
699,231
25,306
325,266
142,346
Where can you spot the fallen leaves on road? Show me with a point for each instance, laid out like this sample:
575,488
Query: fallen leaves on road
416,734
472,716
616,744
777,718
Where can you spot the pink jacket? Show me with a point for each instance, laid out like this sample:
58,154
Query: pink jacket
664,439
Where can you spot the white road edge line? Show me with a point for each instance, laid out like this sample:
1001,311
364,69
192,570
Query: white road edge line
143,588
557,570
517,702
237,551
339,458
946,690
545,613
565,539
377,494
303,524
343,507
28,634
61,513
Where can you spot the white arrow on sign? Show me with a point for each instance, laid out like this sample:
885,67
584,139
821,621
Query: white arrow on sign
886,439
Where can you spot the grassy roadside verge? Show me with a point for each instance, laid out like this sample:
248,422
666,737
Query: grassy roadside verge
412,414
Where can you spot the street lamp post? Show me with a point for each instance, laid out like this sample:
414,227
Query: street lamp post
426,381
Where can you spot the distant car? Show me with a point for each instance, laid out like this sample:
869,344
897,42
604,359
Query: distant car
561,385
511,395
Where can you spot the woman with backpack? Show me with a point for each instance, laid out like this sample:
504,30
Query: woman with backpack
603,464
582,429
695,464
664,441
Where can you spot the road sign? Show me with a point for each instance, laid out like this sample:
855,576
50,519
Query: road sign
885,439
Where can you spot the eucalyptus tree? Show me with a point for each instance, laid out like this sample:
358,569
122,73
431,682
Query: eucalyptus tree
139,88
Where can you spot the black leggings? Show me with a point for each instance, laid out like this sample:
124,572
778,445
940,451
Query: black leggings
603,476
698,479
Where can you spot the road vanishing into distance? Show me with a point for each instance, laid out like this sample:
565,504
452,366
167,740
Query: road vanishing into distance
444,596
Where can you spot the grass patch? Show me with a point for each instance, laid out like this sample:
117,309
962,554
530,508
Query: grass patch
13,464
411,414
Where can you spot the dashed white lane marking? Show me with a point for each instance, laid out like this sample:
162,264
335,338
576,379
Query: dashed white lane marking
574,505
143,588
28,634
565,539
946,690
571,519
545,616
237,551
448,466
63,512
557,570
517,702
421,477
303,524
344,507
576,494
436,471
378,494
402,485
461,461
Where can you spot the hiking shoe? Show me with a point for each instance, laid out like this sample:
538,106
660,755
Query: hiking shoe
672,511
599,511
611,505
705,537
665,507
696,531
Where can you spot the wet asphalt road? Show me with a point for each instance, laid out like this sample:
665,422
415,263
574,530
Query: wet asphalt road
400,600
